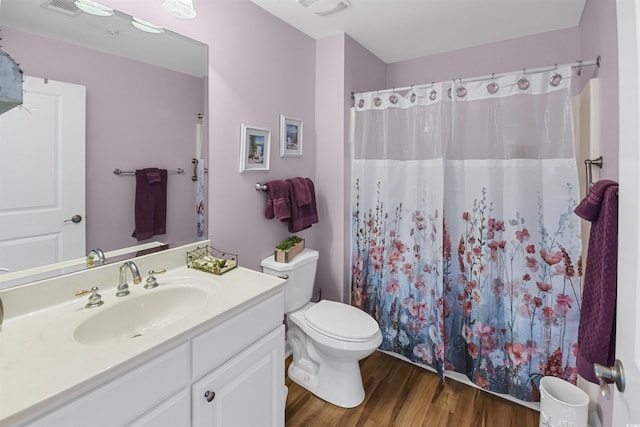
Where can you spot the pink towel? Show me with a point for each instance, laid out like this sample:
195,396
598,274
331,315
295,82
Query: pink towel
597,329
278,200
302,216
150,205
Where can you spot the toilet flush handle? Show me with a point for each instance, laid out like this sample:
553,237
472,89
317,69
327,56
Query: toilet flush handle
283,276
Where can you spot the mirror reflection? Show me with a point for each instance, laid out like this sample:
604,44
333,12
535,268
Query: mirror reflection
100,94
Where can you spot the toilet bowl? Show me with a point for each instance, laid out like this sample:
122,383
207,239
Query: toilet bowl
325,359
327,338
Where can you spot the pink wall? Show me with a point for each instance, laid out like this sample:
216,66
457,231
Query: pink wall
342,66
330,163
598,36
363,72
259,68
121,95
557,47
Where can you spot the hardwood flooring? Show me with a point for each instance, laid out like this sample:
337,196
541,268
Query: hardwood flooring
400,394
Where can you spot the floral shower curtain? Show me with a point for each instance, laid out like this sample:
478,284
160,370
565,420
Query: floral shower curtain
465,248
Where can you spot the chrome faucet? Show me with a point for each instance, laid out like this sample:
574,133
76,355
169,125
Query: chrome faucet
123,287
96,252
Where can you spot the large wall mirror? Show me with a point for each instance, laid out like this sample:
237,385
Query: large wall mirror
145,106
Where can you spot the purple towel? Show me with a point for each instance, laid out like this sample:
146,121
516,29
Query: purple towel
153,175
278,200
300,189
597,329
150,205
302,216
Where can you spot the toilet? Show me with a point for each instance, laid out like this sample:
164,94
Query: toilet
327,338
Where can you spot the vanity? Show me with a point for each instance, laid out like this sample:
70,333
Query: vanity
197,350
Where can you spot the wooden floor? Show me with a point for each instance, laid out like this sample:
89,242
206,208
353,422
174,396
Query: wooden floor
400,394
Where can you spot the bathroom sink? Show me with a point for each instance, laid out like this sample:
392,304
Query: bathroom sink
139,315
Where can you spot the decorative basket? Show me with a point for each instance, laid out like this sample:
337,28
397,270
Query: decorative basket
287,255
211,260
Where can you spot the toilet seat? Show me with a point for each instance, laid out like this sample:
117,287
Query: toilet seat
341,322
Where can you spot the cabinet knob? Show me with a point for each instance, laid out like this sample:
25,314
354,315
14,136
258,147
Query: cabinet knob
209,395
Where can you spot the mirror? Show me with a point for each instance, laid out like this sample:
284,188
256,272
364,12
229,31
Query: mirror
146,96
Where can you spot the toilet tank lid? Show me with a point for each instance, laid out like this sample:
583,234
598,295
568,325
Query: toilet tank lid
304,257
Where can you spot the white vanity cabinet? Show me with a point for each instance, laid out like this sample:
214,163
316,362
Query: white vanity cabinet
239,357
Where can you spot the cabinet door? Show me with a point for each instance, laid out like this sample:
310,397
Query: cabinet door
247,391
173,412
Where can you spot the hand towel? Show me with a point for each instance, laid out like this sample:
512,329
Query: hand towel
278,200
301,190
597,328
153,175
302,216
150,205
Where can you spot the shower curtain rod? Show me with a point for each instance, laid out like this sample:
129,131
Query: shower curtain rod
577,64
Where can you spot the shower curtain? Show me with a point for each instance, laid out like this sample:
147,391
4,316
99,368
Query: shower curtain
465,247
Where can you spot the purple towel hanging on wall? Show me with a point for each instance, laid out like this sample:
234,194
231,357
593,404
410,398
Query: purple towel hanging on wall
150,203
303,204
597,330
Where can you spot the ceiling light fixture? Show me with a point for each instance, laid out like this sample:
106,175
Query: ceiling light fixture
325,7
94,8
146,26
182,9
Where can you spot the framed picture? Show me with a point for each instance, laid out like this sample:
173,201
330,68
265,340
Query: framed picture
254,148
290,137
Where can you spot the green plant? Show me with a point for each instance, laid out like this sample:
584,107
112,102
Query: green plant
289,243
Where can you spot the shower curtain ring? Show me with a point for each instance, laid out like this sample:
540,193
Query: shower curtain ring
492,87
523,83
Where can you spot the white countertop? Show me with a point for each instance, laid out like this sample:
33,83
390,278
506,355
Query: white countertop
41,363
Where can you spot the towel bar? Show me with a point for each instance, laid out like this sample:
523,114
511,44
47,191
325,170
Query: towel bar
117,171
261,187
587,164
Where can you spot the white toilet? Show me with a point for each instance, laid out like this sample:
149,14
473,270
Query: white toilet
327,338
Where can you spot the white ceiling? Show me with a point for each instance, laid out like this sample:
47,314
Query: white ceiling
397,30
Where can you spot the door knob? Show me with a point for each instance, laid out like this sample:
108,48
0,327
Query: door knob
74,219
614,373
209,395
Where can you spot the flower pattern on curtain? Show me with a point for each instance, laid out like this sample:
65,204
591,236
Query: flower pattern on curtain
465,247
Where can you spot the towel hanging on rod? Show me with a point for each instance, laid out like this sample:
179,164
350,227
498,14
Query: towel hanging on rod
117,171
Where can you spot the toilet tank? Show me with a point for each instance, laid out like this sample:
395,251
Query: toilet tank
300,273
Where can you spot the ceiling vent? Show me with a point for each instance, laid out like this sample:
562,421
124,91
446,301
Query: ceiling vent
66,7
325,7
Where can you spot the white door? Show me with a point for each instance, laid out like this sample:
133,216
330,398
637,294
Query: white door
42,176
626,405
